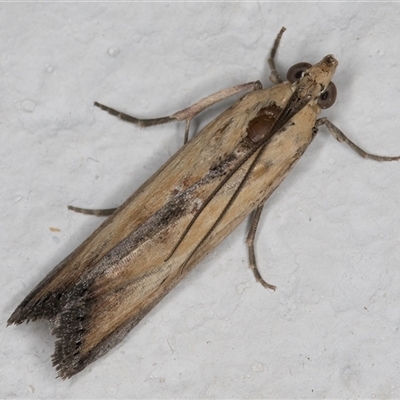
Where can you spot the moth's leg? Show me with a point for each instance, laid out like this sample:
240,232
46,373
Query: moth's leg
250,244
99,213
275,77
341,137
187,114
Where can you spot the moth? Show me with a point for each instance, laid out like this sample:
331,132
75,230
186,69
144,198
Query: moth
226,172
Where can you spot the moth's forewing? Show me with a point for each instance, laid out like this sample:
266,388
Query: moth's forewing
103,289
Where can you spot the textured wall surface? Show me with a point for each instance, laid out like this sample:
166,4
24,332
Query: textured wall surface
329,236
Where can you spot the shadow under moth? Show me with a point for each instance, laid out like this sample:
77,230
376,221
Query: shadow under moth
226,172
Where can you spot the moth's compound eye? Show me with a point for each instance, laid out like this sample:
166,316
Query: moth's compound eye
296,71
328,97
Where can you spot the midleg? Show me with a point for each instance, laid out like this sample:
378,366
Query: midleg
187,114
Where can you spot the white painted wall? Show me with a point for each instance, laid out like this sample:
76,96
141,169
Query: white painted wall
329,236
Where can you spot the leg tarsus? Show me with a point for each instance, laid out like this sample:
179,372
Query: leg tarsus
134,120
98,213
275,77
250,244
341,137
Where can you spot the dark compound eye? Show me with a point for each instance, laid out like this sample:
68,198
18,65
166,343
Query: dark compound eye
296,71
328,97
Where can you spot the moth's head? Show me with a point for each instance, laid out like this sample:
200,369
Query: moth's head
314,81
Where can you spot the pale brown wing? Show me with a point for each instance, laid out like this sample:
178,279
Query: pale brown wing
103,289
107,303
206,150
